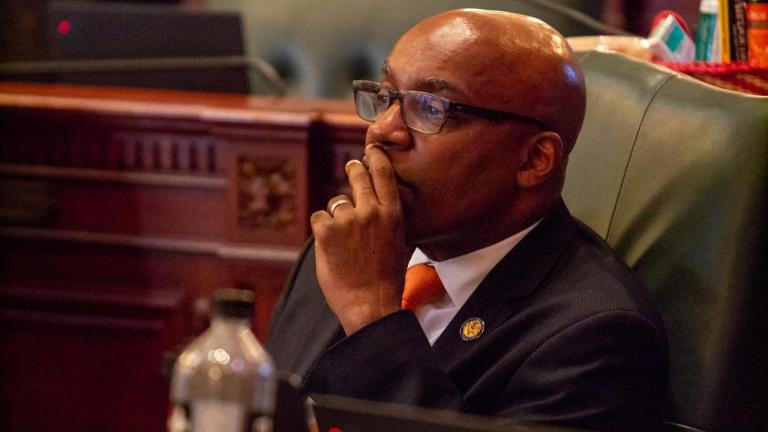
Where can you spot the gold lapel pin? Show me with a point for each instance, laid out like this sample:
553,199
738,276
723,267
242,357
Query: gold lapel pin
472,329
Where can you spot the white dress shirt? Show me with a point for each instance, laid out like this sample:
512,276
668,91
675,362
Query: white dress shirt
460,276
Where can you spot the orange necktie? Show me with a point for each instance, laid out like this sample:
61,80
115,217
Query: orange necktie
421,286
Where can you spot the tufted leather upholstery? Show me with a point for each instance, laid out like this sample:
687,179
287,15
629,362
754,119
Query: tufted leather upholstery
319,47
674,174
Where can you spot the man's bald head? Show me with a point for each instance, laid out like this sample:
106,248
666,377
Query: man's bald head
512,63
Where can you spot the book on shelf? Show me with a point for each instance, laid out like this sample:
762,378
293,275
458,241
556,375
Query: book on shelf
733,30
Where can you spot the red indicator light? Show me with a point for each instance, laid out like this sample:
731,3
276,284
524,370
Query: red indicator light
335,429
64,27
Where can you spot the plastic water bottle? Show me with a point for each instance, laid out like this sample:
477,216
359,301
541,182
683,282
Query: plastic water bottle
224,381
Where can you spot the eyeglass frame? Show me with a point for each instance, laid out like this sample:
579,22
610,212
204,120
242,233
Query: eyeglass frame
449,106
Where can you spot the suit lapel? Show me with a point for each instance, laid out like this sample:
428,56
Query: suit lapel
322,330
517,275
306,326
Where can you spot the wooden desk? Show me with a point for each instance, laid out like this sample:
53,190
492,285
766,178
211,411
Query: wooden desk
121,211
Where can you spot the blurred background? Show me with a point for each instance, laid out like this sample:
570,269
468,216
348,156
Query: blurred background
294,47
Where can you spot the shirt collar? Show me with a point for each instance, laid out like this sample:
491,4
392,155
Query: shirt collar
461,275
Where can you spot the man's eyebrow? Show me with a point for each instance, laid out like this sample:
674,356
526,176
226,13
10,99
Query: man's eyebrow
436,85
430,85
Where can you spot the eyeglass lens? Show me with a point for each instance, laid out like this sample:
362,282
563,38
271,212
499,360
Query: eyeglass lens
370,103
421,111
424,112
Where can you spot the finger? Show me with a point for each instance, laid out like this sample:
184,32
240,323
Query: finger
382,175
336,203
318,220
361,183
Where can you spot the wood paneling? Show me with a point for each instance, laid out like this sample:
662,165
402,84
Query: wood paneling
121,211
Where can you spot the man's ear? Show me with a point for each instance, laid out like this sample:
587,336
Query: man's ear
545,154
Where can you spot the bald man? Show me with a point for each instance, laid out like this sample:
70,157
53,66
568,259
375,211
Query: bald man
472,124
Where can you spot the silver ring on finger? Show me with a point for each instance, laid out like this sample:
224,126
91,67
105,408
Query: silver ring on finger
338,203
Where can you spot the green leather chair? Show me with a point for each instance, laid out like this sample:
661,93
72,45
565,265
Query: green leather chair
674,174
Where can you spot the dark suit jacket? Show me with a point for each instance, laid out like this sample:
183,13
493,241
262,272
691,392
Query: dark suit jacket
571,338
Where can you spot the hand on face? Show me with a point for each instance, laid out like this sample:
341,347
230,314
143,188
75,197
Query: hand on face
360,247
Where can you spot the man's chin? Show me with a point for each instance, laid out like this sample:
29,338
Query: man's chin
409,227
415,232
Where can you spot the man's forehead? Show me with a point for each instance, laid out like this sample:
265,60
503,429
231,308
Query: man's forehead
421,61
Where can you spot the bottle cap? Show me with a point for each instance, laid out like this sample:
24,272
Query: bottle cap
235,303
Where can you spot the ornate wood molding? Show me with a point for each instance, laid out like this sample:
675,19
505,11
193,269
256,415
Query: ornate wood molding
239,252
266,193
98,175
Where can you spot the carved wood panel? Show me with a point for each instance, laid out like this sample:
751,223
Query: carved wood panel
120,212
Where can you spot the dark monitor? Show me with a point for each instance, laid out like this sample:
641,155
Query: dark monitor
140,45
79,30
335,413
331,413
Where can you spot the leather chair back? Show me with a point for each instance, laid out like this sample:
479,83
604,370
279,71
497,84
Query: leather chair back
674,174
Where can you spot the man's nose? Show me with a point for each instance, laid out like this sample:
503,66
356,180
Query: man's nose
389,129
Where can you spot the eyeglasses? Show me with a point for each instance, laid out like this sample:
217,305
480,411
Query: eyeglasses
422,112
